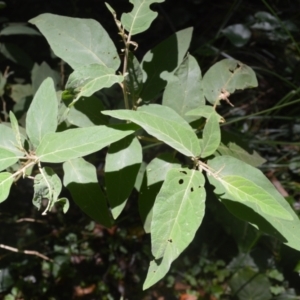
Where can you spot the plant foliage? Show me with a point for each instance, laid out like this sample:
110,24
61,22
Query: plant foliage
64,127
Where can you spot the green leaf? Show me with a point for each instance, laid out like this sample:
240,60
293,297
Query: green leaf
205,111
79,42
238,34
141,16
16,129
155,175
64,202
226,76
122,165
42,114
86,80
20,91
16,54
184,90
255,286
9,142
61,146
81,180
13,28
47,185
163,123
41,72
234,150
285,230
6,180
86,112
7,158
160,63
238,181
140,176
211,137
177,214
134,79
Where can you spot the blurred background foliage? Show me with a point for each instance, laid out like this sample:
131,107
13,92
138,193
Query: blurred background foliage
71,257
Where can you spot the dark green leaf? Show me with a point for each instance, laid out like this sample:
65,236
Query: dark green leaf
156,172
81,180
122,165
159,63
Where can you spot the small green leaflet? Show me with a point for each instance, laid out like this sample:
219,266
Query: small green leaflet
6,180
140,18
72,143
238,181
42,114
81,180
7,158
211,136
87,80
177,214
163,123
47,185
226,76
79,42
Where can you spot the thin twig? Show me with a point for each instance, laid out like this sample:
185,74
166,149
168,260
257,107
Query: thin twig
29,252
29,220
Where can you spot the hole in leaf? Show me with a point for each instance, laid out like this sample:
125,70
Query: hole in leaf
192,189
184,172
180,181
170,240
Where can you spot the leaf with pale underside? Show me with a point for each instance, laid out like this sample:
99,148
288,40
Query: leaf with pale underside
87,80
7,158
226,76
79,42
42,114
141,16
177,214
6,180
80,177
184,90
270,212
163,123
72,143
16,129
9,141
